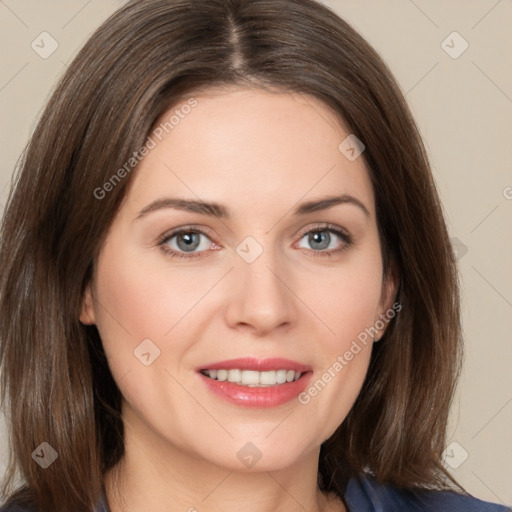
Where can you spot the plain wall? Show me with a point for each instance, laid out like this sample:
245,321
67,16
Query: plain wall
463,107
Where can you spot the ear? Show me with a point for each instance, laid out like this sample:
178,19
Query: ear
388,295
87,315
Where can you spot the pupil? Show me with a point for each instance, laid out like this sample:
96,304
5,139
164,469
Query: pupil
319,237
191,241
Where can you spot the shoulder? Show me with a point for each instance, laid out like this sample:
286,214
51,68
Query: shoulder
20,503
13,507
365,494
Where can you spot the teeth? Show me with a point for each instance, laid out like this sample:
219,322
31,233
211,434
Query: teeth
281,376
234,375
253,378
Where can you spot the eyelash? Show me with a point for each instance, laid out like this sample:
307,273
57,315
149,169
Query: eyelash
347,239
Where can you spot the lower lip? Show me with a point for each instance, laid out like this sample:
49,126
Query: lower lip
270,396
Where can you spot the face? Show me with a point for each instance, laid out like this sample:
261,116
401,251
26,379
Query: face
270,272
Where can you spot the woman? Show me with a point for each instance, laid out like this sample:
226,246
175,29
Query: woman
218,285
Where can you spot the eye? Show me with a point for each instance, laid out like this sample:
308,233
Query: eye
184,243
190,242
322,241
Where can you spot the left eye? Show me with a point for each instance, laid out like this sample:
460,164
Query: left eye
323,239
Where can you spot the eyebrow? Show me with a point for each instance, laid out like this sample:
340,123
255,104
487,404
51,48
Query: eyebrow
217,210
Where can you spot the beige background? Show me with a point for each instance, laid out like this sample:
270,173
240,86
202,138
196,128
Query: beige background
464,110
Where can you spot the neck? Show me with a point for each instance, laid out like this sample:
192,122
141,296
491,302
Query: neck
157,476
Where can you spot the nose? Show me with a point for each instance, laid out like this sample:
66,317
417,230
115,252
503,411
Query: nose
260,297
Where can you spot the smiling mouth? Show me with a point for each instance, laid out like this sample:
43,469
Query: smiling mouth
252,378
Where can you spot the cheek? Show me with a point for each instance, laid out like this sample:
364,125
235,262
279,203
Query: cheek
142,298
346,300
346,303
343,354
139,298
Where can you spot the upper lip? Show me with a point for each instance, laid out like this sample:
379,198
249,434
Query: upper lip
260,365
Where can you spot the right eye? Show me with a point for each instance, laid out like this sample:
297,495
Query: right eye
184,242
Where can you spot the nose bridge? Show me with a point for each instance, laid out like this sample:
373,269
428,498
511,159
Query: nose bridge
259,296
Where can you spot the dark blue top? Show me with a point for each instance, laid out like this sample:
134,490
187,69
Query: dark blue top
368,495
371,496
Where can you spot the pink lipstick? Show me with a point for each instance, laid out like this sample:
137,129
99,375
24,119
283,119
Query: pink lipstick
253,382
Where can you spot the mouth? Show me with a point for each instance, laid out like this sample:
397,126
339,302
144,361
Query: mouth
256,382
253,378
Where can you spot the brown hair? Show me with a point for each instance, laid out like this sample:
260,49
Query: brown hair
55,382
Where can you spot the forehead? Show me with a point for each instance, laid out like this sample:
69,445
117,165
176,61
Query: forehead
247,146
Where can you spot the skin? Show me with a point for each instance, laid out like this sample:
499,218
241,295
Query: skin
259,153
